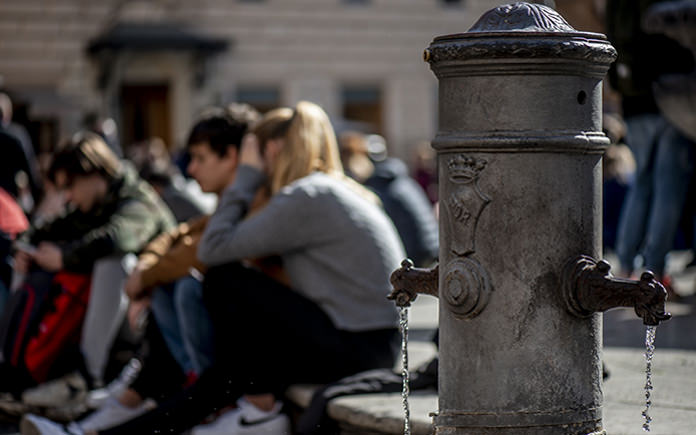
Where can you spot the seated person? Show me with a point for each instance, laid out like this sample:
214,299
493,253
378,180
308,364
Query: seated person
110,212
167,277
183,320
331,320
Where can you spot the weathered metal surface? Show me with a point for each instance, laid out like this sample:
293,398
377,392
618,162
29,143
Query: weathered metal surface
589,287
408,281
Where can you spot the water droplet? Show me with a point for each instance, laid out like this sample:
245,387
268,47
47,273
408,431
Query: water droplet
649,352
403,324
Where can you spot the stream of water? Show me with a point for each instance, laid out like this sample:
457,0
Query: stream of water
649,352
403,323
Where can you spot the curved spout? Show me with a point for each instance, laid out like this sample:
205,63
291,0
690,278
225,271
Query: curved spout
588,287
408,281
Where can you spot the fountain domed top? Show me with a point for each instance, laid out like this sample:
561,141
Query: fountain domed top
521,33
522,17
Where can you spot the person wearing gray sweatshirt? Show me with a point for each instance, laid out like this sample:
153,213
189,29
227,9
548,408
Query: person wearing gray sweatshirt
337,248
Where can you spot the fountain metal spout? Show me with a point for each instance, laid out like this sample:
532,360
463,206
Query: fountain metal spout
408,281
589,287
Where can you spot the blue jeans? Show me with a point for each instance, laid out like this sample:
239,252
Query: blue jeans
653,207
4,295
185,324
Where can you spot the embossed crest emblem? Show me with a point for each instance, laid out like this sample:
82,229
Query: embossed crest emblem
465,204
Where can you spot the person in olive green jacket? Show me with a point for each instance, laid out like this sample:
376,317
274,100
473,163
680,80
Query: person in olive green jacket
110,210
110,213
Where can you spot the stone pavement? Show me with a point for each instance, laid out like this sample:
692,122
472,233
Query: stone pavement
673,409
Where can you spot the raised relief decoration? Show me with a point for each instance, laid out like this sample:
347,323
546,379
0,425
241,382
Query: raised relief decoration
465,204
466,287
522,16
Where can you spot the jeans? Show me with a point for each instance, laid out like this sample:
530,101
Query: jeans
106,311
653,208
185,324
4,295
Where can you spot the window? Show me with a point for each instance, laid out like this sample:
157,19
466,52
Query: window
262,98
363,104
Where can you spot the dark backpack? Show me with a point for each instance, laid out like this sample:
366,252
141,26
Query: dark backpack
22,316
40,328
58,332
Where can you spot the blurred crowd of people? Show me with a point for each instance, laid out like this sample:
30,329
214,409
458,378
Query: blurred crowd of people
135,299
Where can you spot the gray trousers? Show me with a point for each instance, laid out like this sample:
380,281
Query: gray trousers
106,311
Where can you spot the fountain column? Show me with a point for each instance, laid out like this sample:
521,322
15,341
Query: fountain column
519,148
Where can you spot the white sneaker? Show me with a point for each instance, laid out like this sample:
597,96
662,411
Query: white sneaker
34,425
96,398
112,413
247,420
69,388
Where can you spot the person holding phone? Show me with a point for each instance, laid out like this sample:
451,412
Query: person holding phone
110,212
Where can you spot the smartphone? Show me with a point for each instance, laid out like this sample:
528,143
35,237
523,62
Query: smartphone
25,247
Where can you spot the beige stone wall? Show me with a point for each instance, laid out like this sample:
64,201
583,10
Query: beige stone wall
307,49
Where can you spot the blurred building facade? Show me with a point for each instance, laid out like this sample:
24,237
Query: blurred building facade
152,65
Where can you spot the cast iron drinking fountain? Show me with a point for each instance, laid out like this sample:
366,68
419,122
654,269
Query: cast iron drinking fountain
519,148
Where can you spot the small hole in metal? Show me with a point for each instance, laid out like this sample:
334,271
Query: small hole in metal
582,97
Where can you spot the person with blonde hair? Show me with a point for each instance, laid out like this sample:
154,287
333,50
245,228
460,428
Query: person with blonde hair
338,250
330,320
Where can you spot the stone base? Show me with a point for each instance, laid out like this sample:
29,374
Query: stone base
561,422
512,431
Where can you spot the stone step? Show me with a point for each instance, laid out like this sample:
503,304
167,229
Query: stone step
379,413
383,413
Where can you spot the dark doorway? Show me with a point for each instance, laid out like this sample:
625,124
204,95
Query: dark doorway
145,113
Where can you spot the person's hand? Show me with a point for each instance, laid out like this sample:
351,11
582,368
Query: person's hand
134,284
22,262
137,310
49,257
250,152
